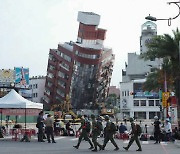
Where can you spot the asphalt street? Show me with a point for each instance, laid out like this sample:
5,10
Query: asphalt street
65,144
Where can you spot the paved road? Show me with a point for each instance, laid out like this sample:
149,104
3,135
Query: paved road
64,145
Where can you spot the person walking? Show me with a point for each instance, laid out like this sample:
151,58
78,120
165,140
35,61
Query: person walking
69,129
49,122
109,132
168,130
135,133
85,127
40,126
157,130
96,131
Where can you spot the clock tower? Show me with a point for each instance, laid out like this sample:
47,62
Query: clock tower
148,30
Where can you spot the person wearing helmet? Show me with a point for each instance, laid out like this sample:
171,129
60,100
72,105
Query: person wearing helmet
85,127
109,132
134,136
96,131
168,130
157,129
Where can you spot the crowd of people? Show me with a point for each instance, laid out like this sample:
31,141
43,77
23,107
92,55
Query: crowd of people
108,131
95,127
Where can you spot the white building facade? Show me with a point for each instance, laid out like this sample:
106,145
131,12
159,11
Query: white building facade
139,104
37,88
134,101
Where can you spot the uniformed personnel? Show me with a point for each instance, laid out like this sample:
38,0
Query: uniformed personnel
85,132
134,136
96,131
109,134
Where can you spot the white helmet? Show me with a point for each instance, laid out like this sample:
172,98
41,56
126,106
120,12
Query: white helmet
155,117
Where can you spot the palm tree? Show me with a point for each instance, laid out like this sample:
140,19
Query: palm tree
165,47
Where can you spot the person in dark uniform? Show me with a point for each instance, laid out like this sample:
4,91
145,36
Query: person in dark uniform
109,134
40,125
96,131
69,129
157,130
85,132
134,136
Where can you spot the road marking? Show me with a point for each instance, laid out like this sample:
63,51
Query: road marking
163,143
59,138
74,139
126,141
145,142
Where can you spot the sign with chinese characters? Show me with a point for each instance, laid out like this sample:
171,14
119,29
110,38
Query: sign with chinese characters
165,96
7,76
30,112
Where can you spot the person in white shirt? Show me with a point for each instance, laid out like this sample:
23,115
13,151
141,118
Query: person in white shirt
168,130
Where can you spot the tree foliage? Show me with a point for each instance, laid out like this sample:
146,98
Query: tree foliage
165,47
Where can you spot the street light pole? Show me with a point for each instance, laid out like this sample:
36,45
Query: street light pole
178,79
168,19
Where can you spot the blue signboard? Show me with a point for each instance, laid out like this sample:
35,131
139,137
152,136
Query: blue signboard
21,77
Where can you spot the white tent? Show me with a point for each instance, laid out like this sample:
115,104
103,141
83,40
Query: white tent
14,104
15,101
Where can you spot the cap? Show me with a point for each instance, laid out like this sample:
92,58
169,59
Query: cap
167,119
155,117
106,117
131,119
92,116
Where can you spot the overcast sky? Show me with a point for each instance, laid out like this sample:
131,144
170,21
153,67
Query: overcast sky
29,28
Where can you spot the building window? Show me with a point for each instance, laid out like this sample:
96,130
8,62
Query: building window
51,67
143,102
62,94
157,103
140,115
151,102
122,93
136,103
65,66
35,95
47,92
62,83
49,84
50,75
35,86
62,75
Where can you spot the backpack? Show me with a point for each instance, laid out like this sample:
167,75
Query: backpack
37,125
138,129
99,125
113,127
88,126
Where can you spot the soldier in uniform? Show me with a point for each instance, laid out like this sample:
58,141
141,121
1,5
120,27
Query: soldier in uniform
134,136
157,130
109,134
85,132
40,124
96,131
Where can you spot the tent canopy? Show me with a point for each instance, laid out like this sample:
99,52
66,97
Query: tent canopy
15,101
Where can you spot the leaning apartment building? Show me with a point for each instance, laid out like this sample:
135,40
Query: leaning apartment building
80,69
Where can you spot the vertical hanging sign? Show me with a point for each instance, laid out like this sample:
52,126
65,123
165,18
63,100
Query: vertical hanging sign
165,96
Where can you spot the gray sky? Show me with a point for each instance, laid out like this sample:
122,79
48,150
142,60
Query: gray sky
29,28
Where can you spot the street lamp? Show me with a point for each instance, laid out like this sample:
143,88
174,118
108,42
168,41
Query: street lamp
168,19
169,24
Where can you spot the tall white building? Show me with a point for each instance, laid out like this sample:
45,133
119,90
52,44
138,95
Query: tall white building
135,102
37,88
